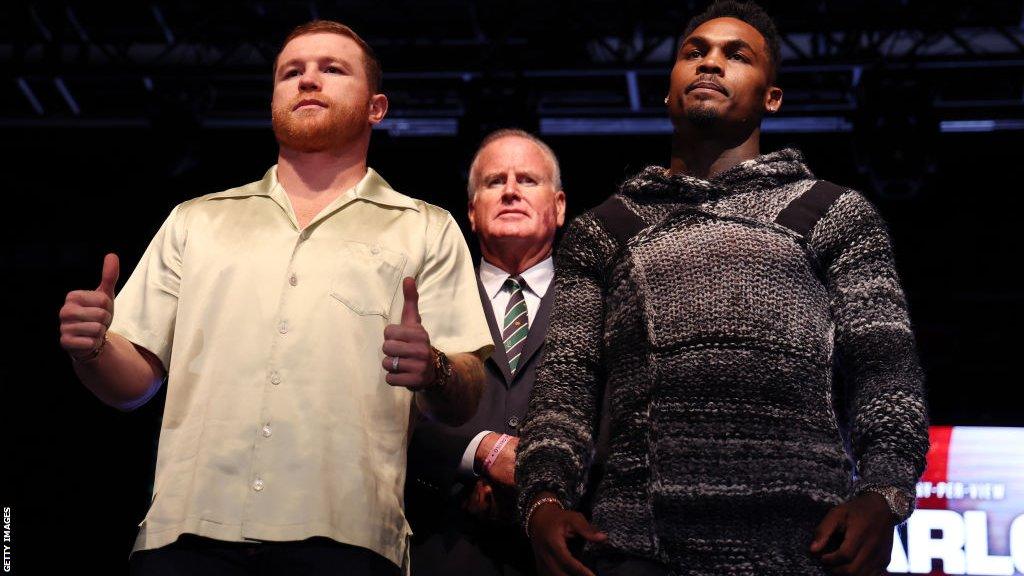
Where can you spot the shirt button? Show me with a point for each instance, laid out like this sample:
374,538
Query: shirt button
513,421
267,431
293,280
275,378
375,249
257,485
283,327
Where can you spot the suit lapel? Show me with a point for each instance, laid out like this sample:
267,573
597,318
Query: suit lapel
498,357
538,329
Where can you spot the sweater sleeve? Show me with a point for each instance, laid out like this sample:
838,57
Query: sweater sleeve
882,380
564,410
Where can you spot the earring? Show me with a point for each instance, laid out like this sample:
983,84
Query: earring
666,100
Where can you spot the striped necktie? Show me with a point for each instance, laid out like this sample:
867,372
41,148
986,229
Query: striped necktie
516,324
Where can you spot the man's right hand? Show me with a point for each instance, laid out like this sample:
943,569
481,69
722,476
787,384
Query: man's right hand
87,314
550,529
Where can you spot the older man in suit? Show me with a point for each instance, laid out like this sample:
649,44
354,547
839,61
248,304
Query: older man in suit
460,488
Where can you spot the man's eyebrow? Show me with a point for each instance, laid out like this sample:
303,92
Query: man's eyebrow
698,41
738,44
730,46
294,61
291,62
501,173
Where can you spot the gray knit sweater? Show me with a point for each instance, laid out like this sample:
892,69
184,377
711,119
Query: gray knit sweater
717,332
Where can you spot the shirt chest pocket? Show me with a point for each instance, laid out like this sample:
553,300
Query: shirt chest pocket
368,279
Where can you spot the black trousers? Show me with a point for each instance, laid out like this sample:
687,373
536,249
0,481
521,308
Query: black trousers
196,556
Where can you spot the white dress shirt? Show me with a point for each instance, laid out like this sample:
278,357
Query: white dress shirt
536,280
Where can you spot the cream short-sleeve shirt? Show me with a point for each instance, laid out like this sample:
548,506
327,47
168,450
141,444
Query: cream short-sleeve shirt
278,423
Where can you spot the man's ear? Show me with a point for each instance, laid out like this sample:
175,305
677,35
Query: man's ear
772,99
560,208
470,212
378,108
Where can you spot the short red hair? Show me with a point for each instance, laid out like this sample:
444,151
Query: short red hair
370,61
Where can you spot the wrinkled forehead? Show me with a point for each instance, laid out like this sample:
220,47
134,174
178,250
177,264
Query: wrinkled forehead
518,153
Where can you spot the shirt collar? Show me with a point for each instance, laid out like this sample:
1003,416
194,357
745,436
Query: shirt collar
538,277
371,188
375,189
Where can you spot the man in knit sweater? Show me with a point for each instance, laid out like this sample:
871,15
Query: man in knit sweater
715,327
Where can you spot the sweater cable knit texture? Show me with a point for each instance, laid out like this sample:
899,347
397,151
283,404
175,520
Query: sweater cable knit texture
718,332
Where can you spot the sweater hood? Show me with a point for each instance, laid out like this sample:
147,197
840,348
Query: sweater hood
767,171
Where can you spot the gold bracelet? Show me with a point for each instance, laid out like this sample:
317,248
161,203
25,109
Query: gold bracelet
442,369
91,355
533,508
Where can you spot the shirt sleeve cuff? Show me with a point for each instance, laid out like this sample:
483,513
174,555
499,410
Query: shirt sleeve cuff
133,404
466,467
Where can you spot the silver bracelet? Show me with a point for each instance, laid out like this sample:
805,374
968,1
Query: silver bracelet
533,508
897,500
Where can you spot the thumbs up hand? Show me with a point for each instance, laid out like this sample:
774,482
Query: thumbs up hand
87,314
408,357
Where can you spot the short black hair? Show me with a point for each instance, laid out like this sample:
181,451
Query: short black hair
748,12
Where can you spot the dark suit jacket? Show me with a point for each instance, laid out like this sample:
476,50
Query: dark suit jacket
446,540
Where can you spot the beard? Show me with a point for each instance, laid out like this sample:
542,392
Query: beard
703,116
317,130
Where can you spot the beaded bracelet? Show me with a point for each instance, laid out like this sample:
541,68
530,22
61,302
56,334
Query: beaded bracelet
533,508
493,455
94,354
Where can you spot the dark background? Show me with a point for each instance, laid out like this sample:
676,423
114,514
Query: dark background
111,116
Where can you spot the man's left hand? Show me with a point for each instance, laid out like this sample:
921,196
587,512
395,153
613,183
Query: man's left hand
480,501
862,532
492,503
410,344
502,471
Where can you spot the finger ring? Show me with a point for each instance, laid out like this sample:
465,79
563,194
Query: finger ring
394,363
